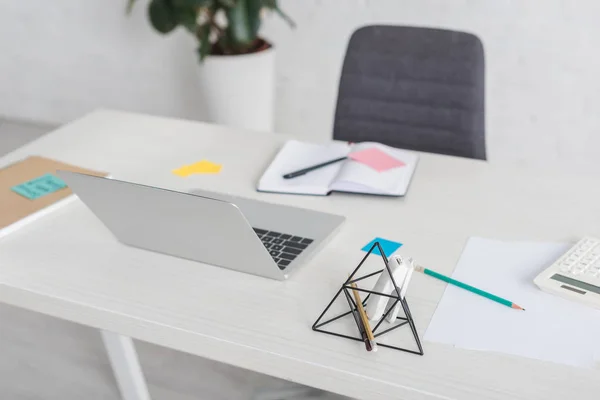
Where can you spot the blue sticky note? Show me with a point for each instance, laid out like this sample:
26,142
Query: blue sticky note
39,187
388,246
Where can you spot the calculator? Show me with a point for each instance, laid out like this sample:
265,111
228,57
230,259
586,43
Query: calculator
576,274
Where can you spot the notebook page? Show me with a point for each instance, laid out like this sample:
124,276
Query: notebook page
394,181
295,155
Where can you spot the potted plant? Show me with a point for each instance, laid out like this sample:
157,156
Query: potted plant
237,74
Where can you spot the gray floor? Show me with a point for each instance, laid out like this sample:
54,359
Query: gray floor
46,358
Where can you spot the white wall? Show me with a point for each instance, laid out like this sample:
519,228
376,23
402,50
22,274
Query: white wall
63,58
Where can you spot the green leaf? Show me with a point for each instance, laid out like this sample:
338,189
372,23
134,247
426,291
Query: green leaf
130,4
162,16
272,5
243,22
227,3
186,17
253,10
205,45
192,3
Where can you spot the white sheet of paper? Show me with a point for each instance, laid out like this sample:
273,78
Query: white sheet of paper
551,328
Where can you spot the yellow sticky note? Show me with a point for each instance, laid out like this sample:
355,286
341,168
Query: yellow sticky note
183,171
201,167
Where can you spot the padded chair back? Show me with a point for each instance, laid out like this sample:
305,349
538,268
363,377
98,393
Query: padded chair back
413,88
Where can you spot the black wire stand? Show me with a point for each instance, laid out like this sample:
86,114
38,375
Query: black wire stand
346,287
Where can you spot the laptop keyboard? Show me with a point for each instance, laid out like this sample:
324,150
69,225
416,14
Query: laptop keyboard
283,248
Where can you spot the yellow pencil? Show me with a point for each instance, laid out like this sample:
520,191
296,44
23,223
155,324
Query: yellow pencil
363,317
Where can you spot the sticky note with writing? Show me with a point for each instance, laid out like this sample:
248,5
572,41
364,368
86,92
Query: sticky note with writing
39,187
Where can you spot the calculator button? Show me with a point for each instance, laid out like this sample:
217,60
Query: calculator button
565,268
577,271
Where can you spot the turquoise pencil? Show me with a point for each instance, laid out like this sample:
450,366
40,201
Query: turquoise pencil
468,287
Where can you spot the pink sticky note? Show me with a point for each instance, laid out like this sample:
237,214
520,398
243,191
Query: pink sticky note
376,159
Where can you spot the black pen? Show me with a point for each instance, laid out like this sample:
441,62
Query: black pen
308,169
361,329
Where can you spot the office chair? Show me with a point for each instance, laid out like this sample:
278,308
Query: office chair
415,88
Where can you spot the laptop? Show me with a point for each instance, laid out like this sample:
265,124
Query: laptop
241,234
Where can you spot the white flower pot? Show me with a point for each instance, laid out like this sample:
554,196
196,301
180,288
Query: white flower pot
239,90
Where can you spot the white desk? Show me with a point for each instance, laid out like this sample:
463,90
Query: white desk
69,266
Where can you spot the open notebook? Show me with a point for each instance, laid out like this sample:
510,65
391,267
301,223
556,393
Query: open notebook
345,176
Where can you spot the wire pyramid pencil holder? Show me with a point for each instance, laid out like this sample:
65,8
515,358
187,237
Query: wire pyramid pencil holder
346,288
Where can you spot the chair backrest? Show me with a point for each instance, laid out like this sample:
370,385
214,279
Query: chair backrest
414,88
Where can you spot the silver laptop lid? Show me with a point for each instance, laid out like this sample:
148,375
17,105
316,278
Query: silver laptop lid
315,226
175,223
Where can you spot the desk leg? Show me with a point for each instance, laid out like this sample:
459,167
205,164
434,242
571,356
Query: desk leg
126,366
